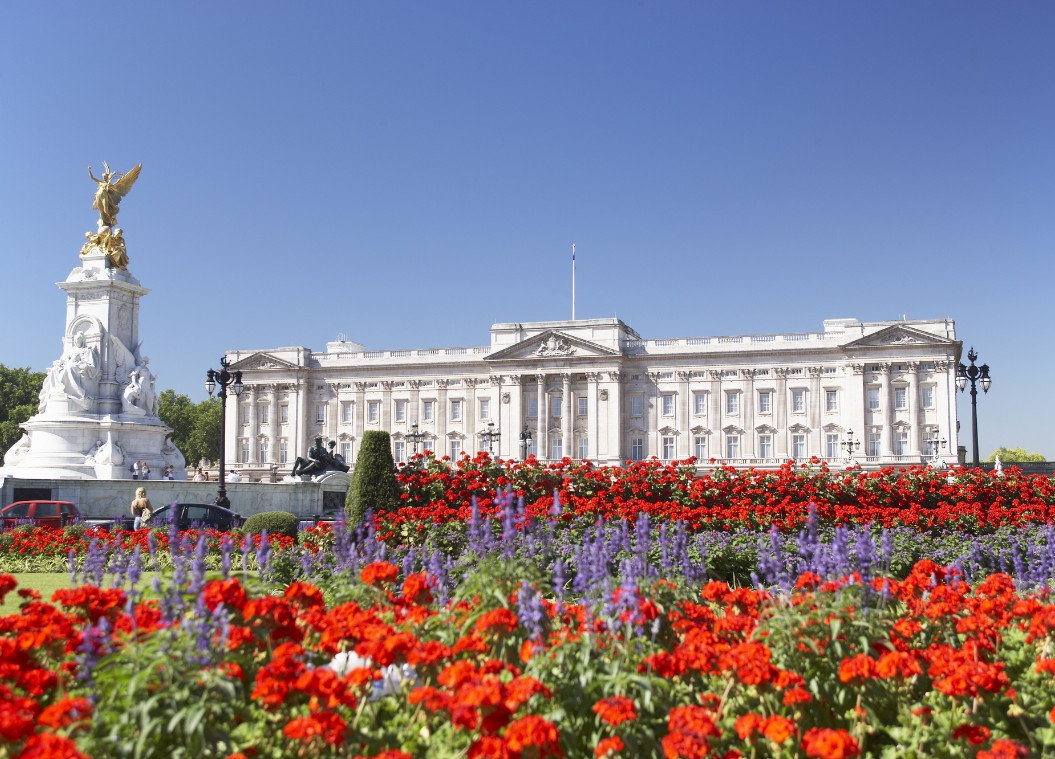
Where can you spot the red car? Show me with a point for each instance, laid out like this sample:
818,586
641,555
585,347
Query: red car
42,513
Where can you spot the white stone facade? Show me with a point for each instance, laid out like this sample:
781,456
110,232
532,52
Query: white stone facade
593,388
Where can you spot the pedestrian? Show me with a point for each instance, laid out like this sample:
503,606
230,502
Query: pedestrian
135,469
141,509
146,470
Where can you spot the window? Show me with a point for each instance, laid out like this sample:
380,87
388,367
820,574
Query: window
637,405
765,402
875,444
263,451
583,407
732,446
320,412
930,445
873,399
765,445
265,414
901,398
699,404
532,409
456,411
831,445
283,413
555,403
283,451
668,405
244,453
798,401
637,448
831,400
556,448
245,414
901,443
428,410
926,396
346,412
400,452
373,411
699,448
667,446
401,411
584,448
485,408
798,445
346,452
732,402
456,450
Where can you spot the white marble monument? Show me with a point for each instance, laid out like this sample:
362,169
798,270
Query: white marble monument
98,405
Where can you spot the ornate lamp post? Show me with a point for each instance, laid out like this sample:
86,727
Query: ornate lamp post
851,445
492,435
936,447
525,441
974,374
415,436
225,380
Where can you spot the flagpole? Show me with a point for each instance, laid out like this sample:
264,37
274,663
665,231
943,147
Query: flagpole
573,281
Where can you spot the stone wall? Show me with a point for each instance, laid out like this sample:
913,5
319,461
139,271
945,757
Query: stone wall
111,498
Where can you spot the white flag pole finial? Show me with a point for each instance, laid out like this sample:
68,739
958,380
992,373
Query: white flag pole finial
573,281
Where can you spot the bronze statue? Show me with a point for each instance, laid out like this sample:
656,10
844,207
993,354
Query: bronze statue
109,191
318,460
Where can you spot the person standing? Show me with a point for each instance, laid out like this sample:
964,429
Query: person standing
135,469
141,509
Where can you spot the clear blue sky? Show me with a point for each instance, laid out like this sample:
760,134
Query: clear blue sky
407,173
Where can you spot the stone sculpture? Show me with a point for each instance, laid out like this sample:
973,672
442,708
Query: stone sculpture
318,460
139,397
74,375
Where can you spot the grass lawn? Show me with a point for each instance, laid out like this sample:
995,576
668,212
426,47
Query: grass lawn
44,583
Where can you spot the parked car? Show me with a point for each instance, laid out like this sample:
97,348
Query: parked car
196,515
41,513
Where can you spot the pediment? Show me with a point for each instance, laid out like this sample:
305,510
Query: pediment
551,344
798,428
898,335
262,361
698,430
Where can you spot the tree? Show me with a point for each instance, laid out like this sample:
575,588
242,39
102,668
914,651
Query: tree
195,426
1009,455
19,393
374,484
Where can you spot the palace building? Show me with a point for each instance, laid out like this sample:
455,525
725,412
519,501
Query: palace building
879,393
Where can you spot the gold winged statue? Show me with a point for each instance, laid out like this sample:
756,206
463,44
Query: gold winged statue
109,191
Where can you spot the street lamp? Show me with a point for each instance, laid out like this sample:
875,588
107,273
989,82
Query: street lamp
492,435
525,441
936,446
415,437
973,373
225,380
850,445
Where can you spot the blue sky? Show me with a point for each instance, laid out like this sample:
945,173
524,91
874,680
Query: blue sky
406,173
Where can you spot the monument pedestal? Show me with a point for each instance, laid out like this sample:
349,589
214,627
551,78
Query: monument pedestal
97,408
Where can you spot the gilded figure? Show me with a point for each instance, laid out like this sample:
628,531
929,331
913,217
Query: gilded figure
109,190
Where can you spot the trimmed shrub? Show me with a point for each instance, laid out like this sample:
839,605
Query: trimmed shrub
275,522
374,484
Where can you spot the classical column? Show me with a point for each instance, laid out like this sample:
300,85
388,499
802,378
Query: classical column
541,438
273,433
510,443
441,417
469,413
593,435
566,419
886,394
359,412
913,409
684,424
414,412
780,414
854,413
386,406
333,411
653,416
816,406
750,448
716,411
615,417
254,425
302,421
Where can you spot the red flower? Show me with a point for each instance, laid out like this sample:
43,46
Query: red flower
976,735
535,732
608,746
615,710
228,592
379,573
825,743
65,712
325,725
1004,749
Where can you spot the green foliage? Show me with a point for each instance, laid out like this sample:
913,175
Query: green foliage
195,426
19,391
275,522
1009,455
374,483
